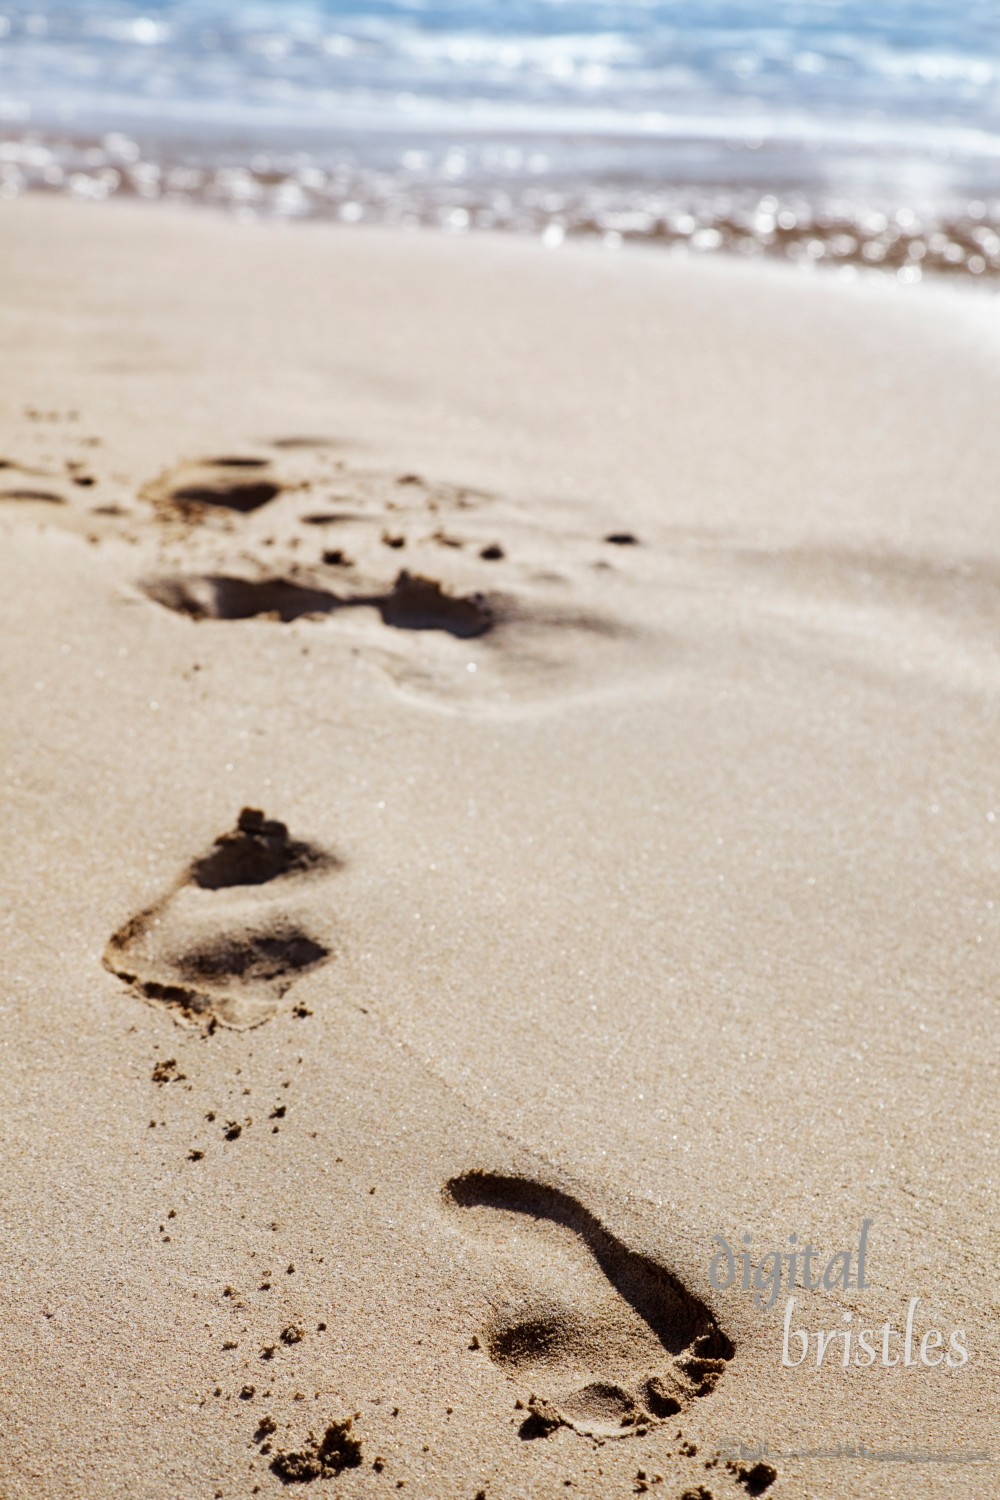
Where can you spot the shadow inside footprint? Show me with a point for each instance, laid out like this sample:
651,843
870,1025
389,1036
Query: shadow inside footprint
412,603
605,1339
43,496
229,483
213,949
415,603
233,461
259,849
215,596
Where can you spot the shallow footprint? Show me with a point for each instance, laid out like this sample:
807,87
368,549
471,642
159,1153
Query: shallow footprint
603,1339
224,944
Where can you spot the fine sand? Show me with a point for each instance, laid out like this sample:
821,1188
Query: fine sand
429,921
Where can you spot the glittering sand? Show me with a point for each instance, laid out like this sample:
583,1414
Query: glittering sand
501,788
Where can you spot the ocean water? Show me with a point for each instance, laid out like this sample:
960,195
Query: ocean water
825,131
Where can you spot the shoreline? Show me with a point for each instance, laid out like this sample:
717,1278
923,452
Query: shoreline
825,223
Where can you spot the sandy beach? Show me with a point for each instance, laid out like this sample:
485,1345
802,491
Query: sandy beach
501,796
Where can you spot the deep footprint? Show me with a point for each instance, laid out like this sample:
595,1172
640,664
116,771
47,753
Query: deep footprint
216,596
412,603
216,949
415,603
603,1339
235,484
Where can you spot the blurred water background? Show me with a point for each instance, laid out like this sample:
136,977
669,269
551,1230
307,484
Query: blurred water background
830,132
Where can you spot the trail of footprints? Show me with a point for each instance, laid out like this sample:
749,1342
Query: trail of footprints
597,1337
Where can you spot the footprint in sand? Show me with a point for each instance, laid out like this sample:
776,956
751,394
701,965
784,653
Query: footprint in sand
227,484
601,1338
518,581
229,939
410,603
